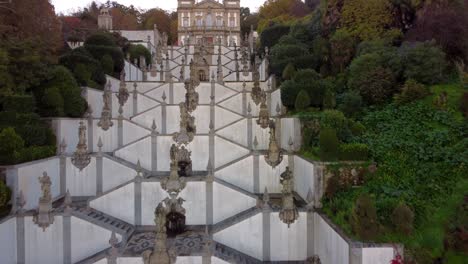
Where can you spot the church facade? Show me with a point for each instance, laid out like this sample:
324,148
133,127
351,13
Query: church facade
209,20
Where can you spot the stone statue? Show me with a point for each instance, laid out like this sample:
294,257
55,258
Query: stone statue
175,218
274,156
191,97
160,253
245,61
187,126
173,184
183,158
123,91
257,92
81,157
106,115
44,217
264,113
288,213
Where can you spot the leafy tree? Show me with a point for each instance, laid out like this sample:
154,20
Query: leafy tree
342,49
329,144
124,17
368,19
251,21
329,99
288,51
282,11
271,35
82,74
424,62
107,65
5,194
12,144
364,218
369,75
445,22
302,101
411,92
289,71
101,44
402,219
161,18
350,103
60,95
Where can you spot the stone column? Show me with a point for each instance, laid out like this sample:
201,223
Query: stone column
291,155
164,114
256,166
90,131
244,99
310,224
171,91
212,133
20,231
120,135
278,129
209,195
249,127
154,148
266,212
63,167
213,84
99,168
67,242
138,197
135,99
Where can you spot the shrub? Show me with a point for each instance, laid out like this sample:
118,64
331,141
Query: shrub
364,218
424,63
402,219
329,144
52,103
82,74
36,153
100,39
289,71
19,103
356,127
464,104
411,92
307,80
354,151
107,64
333,186
116,54
329,100
5,194
12,145
136,51
302,101
79,56
351,103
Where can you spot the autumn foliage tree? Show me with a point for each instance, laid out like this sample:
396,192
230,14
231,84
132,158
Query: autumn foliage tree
280,11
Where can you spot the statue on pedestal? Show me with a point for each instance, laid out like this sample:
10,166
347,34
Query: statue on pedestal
173,184
274,156
81,157
183,158
123,91
187,126
264,113
44,217
160,253
106,115
191,97
288,213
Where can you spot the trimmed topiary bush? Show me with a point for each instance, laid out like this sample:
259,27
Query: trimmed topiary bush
329,144
82,74
289,71
354,151
302,101
107,64
403,219
12,146
329,99
351,103
5,194
411,92
19,103
364,218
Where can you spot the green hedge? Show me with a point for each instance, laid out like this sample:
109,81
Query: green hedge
354,151
29,126
19,103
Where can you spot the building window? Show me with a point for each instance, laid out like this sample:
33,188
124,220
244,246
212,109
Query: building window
199,21
219,21
185,21
232,22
